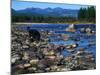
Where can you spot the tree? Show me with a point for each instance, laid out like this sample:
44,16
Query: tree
91,13
87,14
82,13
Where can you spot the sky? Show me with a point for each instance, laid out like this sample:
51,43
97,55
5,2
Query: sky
18,5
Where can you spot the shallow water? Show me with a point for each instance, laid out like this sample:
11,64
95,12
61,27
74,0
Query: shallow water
58,29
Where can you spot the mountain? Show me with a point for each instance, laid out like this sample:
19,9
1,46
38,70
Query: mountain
47,11
13,12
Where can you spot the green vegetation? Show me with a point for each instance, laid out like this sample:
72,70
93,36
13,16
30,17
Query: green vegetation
42,19
85,15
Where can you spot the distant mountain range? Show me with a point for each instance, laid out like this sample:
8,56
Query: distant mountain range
46,12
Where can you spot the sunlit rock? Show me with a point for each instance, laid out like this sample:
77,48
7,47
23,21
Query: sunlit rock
34,61
71,28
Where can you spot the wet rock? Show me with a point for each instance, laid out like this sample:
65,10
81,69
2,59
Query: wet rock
64,37
88,30
71,46
80,51
82,30
71,28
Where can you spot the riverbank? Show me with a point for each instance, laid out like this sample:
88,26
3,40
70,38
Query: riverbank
27,23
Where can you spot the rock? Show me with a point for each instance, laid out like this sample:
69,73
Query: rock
68,59
93,32
34,61
51,53
27,65
89,58
80,51
74,45
14,38
71,28
58,69
26,56
21,66
54,67
71,50
47,69
82,30
63,69
64,37
68,46
71,46
27,42
25,47
32,69
14,59
88,30
51,57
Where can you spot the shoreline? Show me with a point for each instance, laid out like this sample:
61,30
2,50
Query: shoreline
21,23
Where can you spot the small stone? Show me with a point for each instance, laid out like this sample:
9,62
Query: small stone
47,69
25,46
34,61
51,53
51,57
27,65
58,69
32,68
21,66
26,56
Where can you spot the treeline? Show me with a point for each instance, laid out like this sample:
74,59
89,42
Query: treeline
83,15
42,19
87,14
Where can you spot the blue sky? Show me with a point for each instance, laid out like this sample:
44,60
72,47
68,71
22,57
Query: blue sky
18,5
